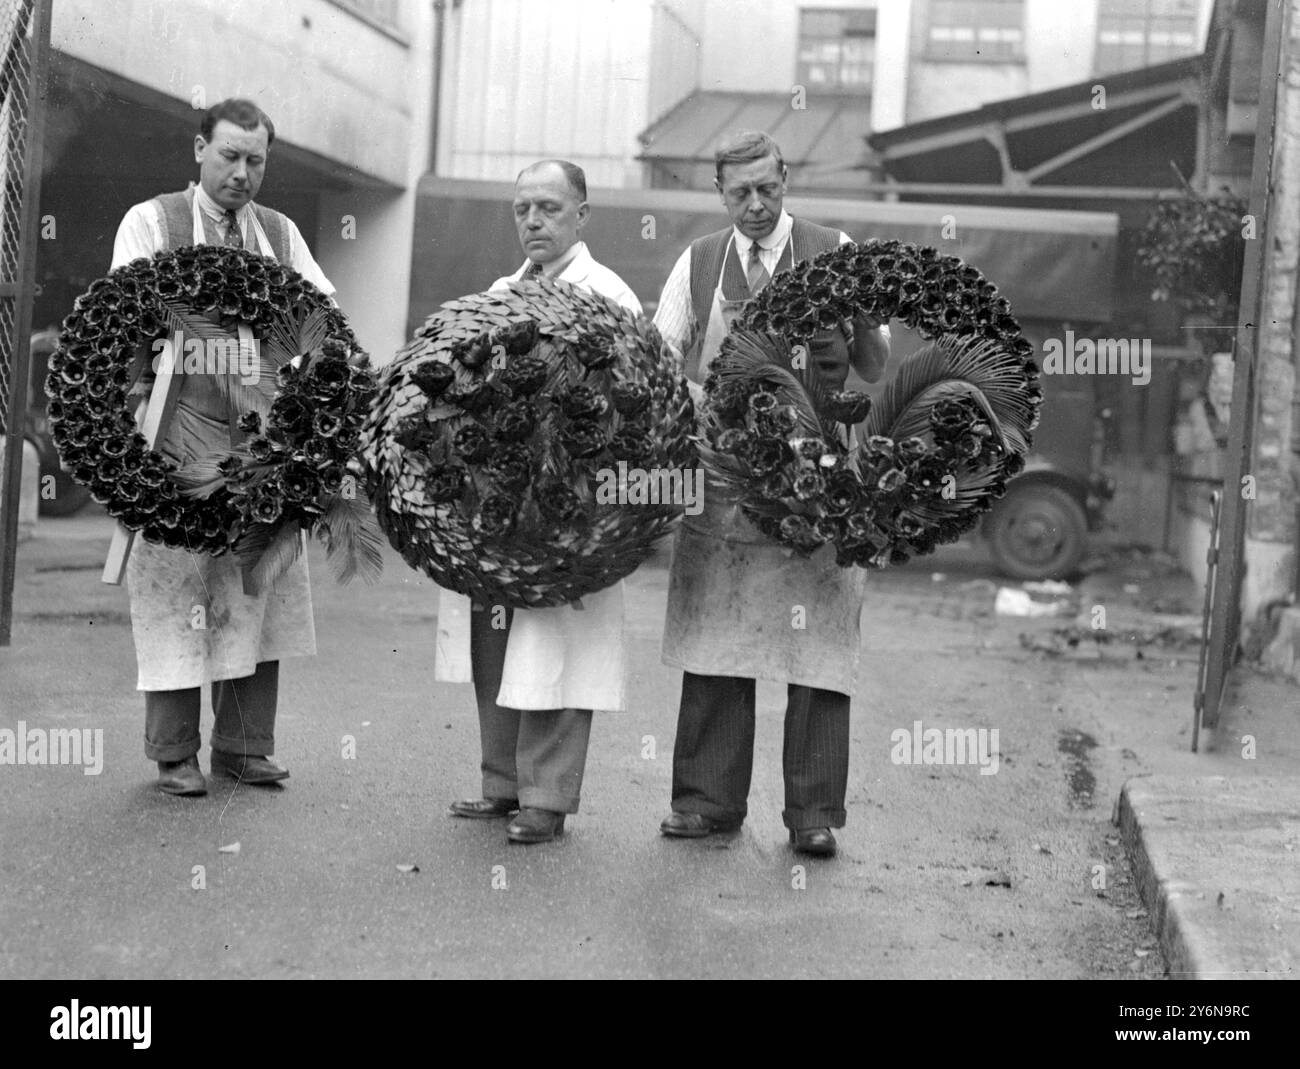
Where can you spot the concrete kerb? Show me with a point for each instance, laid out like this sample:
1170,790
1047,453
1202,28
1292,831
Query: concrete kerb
1210,855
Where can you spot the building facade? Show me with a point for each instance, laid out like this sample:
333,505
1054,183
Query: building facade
820,75
348,83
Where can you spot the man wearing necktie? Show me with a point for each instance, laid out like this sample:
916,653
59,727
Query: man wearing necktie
244,637
538,674
733,593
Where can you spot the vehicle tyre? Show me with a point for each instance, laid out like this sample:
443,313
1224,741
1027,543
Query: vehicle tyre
69,498
1037,532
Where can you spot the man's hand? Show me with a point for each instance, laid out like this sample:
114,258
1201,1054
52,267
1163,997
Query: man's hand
870,350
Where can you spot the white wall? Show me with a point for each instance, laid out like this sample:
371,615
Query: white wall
331,82
1060,43
372,270
519,87
889,93
752,45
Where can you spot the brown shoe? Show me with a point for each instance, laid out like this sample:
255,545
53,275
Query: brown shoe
182,777
247,768
484,808
535,826
695,825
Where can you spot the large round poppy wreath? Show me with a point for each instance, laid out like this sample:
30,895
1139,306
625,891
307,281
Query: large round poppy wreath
304,406
514,443
882,482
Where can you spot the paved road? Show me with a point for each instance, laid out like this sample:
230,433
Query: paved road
943,872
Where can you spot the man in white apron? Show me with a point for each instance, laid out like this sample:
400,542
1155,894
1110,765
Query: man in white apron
191,620
539,673
741,607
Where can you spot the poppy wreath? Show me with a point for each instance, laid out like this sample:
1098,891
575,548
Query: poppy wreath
501,442
880,483
303,405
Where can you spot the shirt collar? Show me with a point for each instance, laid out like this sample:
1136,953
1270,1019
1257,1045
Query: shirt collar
559,266
211,208
775,240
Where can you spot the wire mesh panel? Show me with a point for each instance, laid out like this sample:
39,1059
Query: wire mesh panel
24,47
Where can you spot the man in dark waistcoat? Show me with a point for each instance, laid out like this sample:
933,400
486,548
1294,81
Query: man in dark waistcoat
243,637
731,590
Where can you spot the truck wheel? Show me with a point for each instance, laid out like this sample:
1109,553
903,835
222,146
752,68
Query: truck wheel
69,497
1037,532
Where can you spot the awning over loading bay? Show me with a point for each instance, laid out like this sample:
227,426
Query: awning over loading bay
1051,265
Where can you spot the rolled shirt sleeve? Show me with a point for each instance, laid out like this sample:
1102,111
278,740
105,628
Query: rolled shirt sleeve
302,261
675,317
138,235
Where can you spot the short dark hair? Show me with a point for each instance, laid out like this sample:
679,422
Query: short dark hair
573,174
746,147
240,112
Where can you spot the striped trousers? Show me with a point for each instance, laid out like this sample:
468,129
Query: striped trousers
713,754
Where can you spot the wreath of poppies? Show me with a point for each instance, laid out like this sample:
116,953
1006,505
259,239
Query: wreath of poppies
304,405
812,467
500,433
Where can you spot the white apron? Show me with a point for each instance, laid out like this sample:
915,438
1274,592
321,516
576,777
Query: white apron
559,658
741,605
191,620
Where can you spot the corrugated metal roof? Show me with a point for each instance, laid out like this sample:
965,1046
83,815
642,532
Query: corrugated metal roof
829,129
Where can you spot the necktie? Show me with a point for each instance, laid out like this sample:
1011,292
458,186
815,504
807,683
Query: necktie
534,271
234,239
756,275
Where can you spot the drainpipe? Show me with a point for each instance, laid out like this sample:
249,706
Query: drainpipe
439,35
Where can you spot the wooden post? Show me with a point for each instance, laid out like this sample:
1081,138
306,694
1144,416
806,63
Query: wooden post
157,418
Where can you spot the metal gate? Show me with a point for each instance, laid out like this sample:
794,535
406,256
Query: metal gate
1225,614
24,59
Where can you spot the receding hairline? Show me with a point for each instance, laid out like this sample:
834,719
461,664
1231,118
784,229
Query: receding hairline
542,165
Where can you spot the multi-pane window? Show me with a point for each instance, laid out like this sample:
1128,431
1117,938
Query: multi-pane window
1138,33
837,49
977,29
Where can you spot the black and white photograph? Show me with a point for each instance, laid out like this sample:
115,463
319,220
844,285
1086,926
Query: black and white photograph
651,489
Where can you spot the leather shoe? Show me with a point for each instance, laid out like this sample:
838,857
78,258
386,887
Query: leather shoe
181,777
484,808
819,842
535,826
694,825
248,768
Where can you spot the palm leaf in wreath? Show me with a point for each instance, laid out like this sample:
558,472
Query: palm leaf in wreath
265,552
202,476
353,541
726,473
954,366
239,396
293,333
764,361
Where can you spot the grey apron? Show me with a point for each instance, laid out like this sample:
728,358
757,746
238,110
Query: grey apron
741,605
191,620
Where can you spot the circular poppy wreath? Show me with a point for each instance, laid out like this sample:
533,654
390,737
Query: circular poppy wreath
99,374
499,435
931,455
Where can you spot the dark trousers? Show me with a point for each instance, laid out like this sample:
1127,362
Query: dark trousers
244,710
713,755
536,756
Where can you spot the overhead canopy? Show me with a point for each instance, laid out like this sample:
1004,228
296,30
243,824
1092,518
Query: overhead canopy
1053,265
821,142
1110,139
